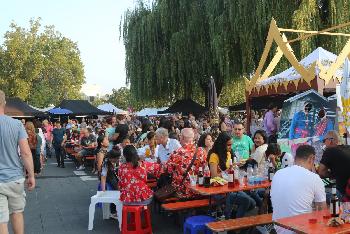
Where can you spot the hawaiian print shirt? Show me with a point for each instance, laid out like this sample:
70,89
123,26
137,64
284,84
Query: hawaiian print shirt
133,183
177,165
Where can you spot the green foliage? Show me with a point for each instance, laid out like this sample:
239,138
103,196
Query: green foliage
121,98
124,99
40,65
173,46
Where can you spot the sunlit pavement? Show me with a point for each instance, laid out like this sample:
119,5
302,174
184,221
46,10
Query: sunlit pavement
60,204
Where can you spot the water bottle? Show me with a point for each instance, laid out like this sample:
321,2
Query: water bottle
238,156
250,173
255,170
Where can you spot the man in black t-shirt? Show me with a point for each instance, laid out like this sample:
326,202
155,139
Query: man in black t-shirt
88,145
335,163
121,130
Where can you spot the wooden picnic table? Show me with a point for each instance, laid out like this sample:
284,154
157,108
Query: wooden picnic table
301,224
225,189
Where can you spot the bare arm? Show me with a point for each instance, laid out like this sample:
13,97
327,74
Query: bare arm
323,171
99,157
213,169
27,161
103,183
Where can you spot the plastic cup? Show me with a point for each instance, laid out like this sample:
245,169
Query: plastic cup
193,180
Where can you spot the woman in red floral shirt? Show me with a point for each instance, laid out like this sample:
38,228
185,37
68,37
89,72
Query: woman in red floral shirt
133,180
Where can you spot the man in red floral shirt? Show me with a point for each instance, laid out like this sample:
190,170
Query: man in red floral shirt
180,160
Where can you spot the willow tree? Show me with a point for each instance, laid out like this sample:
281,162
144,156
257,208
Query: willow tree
174,46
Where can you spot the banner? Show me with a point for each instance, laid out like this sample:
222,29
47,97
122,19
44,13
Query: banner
306,118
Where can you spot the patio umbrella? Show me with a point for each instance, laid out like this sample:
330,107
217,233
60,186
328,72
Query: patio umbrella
213,107
60,111
345,94
212,96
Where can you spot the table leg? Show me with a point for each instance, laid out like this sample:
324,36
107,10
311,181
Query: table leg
119,208
91,215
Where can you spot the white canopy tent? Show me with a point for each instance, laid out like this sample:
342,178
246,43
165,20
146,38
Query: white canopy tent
150,111
109,107
320,56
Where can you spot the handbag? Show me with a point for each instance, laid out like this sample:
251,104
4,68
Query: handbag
169,190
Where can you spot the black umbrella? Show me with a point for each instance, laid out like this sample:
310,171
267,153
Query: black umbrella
212,96
213,108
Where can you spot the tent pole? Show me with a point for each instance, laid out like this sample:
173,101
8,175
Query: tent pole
248,111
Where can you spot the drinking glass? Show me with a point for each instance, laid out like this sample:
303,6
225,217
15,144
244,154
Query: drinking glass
193,180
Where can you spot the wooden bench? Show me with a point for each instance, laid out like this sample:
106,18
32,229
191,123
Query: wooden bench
185,205
240,223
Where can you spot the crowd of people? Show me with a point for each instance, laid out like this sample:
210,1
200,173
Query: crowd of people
130,150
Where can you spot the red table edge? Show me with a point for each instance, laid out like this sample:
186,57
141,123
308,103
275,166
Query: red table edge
288,227
245,188
277,222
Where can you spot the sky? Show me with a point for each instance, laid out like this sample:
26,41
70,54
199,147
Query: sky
93,24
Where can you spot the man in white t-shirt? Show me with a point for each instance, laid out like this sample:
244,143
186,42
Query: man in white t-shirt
295,188
166,145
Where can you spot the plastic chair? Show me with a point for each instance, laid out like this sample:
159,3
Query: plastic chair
139,218
106,198
108,188
195,224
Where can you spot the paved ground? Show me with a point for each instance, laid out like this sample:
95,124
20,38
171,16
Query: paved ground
60,202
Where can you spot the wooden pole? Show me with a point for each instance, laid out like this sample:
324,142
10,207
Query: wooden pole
248,112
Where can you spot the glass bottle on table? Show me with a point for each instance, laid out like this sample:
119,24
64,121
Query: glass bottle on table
270,172
334,205
236,170
231,175
206,180
200,177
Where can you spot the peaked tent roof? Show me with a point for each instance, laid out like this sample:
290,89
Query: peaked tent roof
109,107
150,111
81,107
15,107
185,106
320,56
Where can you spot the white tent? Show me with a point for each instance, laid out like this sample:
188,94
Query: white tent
150,111
322,58
223,110
43,109
109,107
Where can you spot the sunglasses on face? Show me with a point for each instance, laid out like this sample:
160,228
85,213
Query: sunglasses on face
329,138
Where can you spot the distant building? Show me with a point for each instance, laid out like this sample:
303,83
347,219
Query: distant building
91,92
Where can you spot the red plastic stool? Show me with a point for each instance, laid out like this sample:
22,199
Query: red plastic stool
139,218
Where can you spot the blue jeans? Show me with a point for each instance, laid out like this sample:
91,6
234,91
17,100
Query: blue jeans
243,202
257,195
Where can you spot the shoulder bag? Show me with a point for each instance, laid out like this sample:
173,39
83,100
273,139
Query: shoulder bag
169,190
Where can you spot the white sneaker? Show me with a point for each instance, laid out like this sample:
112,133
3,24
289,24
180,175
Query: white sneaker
81,168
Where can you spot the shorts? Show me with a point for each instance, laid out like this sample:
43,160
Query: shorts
12,199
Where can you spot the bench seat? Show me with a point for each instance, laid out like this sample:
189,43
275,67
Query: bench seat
240,223
185,205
